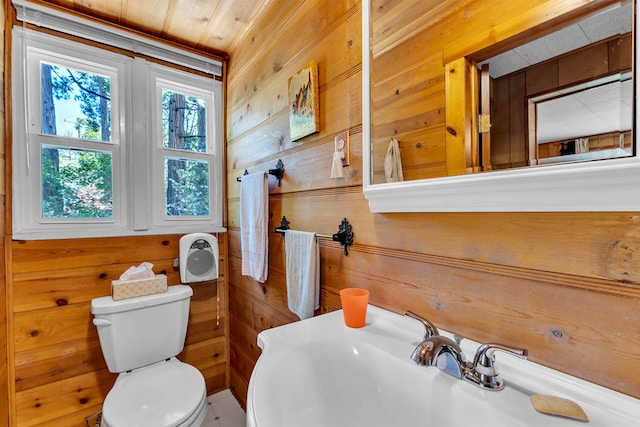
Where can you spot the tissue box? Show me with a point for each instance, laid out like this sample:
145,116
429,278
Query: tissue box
122,289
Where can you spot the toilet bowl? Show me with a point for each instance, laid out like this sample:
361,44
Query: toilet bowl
168,394
140,338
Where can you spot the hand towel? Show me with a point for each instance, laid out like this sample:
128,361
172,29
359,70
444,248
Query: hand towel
303,272
254,217
392,162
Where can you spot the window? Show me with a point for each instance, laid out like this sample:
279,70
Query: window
75,103
76,183
105,144
183,131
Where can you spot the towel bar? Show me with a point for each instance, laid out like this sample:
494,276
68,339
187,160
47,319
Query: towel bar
344,234
278,172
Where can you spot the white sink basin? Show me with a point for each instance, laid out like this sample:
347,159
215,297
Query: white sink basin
318,372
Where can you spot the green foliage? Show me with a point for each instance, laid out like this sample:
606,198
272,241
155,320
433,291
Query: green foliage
81,186
187,192
76,183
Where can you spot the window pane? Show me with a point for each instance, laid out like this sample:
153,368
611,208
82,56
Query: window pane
184,122
76,183
75,104
186,187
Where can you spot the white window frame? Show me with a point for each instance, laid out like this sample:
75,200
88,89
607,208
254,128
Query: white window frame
28,137
137,190
161,77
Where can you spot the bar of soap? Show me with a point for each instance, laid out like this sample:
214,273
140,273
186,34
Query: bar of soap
558,406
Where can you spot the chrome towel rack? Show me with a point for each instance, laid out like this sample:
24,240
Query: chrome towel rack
278,172
344,234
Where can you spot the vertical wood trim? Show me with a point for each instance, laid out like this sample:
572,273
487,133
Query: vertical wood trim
473,153
517,119
532,136
224,248
223,294
485,101
11,365
456,115
461,105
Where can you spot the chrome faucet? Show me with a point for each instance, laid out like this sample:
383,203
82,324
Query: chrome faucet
430,329
446,355
484,371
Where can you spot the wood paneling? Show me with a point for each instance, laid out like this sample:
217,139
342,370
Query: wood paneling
55,345
559,284
287,48
207,25
518,131
584,64
72,398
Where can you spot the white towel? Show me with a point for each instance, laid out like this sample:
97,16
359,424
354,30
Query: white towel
254,217
392,162
303,272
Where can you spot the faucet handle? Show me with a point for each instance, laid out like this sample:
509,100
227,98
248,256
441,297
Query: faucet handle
430,329
484,364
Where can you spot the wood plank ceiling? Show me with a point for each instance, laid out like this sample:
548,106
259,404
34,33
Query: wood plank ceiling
214,26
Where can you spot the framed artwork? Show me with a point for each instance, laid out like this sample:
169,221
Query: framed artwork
303,102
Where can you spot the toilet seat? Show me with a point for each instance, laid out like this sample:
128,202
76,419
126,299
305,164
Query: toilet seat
166,394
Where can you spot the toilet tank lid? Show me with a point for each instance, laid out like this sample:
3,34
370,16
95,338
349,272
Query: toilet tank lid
106,305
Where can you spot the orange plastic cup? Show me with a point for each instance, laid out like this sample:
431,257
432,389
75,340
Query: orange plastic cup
354,306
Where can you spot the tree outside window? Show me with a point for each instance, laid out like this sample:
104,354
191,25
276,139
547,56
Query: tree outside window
76,183
184,120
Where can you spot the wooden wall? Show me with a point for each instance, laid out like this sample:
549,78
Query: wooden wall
59,372
566,286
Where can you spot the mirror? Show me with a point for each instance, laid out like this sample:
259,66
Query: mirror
574,88
520,128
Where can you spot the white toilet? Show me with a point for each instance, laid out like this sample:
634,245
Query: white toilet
140,338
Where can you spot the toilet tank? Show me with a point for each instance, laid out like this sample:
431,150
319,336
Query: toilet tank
139,331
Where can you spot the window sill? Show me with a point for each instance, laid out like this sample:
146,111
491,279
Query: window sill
112,232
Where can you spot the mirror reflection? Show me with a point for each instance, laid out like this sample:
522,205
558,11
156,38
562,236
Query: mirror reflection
564,97
585,124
